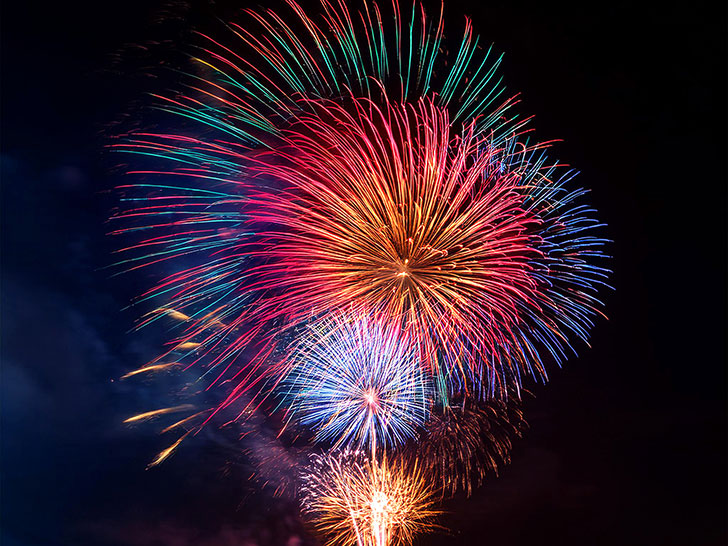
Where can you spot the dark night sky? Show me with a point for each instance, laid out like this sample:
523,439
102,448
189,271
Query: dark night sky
627,442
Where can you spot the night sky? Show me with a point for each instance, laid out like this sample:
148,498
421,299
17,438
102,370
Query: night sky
626,443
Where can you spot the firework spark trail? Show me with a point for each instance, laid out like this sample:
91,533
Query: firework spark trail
150,368
354,500
357,382
155,413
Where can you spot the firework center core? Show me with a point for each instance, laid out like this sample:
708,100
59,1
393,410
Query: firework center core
371,398
402,268
379,504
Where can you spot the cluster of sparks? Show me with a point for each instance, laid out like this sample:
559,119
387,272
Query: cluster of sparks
464,441
355,231
356,500
357,383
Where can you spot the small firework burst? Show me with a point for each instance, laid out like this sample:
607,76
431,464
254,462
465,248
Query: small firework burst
465,440
353,500
357,382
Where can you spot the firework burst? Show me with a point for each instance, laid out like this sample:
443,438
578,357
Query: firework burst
352,218
466,440
348,169
357,382
355,501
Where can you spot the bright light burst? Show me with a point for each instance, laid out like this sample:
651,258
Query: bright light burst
448,237
350,216
357,382
355,501
355,162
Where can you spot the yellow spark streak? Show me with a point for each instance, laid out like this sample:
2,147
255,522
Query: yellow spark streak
164,454
183,421
188,345
150,368
173,313
149,414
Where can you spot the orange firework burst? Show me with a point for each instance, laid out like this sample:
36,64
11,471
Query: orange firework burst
393,214
357,501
